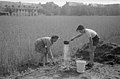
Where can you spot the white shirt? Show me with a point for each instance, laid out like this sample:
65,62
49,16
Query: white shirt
90,33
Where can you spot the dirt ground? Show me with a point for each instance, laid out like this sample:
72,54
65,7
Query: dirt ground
99,71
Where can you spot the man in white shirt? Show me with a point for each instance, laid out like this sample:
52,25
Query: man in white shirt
43,45
93,40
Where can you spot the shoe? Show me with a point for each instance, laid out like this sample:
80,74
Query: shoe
40,64
89,66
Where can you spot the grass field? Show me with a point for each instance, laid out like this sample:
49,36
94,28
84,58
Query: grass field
17,34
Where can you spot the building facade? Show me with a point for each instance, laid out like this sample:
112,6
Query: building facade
20,9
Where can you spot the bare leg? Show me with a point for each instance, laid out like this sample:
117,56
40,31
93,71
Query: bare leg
50,58
42,59
46,58
91,57
91,53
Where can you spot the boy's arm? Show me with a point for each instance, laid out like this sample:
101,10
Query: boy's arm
50,52
76,37
90,42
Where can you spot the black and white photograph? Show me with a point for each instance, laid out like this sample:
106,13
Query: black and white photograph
59,39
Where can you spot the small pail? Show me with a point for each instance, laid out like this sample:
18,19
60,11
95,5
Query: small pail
80,66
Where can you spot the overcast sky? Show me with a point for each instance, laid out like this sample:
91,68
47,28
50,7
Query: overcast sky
62,2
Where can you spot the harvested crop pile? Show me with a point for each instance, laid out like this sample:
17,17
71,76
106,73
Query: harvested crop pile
108,53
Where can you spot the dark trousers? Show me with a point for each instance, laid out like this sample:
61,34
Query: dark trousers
95,40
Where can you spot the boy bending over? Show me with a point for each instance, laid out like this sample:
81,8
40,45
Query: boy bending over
43,45
93,40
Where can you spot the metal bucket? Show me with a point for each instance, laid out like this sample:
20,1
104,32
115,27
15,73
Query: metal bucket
80,66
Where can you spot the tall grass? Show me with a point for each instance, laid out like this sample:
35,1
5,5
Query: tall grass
18,34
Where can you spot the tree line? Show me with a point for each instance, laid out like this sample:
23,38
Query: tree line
89,10
80,10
